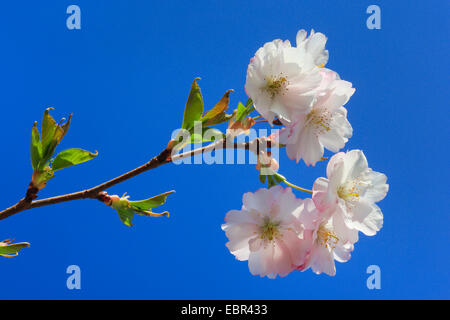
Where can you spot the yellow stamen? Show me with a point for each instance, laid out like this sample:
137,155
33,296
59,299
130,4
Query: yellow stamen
269,230
327,238
275,85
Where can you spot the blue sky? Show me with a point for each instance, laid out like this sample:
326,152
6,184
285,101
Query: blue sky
126,74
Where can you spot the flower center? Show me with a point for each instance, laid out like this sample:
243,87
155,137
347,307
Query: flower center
276,85
269,230
351,191
327,238
320,120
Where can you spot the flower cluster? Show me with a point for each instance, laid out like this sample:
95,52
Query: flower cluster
292,84
276,231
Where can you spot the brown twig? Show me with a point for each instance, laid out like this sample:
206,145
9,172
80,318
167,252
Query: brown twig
95,192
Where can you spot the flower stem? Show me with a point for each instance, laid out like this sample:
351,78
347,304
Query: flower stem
297,187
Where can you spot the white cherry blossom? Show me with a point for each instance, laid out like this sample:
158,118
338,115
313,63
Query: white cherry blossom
331,239
353,189
281,80
325,126
267,232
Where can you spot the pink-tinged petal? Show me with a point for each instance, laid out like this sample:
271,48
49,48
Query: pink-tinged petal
239,236
339,133
341,93
309,237
241,253
334,164
308,214
310,149
324,198
328,77
255,244
239,216
332,140
345,233
322,261
301,35
341,255
316,47
341,123
297,248
355,164
287,204
259,201
256,264
261,262
378,187
365,217
282,262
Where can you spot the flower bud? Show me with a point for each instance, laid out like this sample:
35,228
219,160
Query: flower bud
266,165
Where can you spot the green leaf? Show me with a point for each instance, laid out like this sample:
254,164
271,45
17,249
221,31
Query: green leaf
279,178
36,147
194,106
48,130
249,103
218,119
207,135
240,112
126,216
262,178
65,126
219,109
150,203
71,157
11,250
51,135
271,182
243,111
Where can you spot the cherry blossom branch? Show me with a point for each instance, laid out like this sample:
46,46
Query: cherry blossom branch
164,157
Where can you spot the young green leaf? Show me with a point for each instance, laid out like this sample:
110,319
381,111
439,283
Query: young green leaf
279,178
126,216
71,157
262,178
271,182
207,135
249,103
9,250
48,130
65,126
240,112
51,135
194,106
219,108
36,147
150,203
243,111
